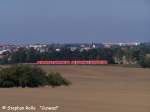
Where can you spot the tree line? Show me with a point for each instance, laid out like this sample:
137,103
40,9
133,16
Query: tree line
115,55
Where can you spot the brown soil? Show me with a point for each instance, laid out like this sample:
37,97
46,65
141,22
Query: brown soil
93,89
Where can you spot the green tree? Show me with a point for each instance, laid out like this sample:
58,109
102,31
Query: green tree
29,76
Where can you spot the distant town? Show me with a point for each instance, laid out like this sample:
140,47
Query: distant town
8,48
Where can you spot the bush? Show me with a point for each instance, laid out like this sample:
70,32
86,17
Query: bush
55,79
145,62
28,76
7,84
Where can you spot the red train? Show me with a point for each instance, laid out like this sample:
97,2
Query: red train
75,62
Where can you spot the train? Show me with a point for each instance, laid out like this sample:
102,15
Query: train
73,62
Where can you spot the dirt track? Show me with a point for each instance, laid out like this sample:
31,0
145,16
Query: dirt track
94,89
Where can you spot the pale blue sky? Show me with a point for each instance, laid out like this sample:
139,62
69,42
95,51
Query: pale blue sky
64,21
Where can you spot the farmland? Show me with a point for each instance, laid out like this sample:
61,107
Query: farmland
93,89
